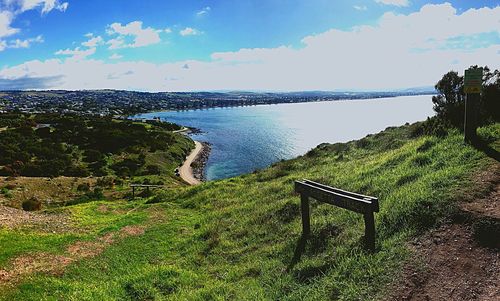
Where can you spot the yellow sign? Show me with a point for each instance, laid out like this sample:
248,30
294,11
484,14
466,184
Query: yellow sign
472,90
473,81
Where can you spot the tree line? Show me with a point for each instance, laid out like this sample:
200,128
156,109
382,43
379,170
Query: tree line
69,145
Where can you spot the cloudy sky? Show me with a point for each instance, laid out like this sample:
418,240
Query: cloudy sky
278,45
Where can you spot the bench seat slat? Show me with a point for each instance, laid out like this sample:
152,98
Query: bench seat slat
347,200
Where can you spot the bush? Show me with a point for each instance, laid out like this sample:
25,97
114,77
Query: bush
32,204
153,169
118,181
6,192
105,182
83,187
90,196
434,126
77,171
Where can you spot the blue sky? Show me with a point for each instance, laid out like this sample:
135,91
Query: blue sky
244,44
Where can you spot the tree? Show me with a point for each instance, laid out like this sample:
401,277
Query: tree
449,104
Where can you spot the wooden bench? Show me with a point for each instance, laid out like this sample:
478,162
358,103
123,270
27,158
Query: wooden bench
134,186
359,203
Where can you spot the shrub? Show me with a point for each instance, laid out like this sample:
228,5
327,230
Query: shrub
105,182
90,196
77,171
32,204
153,169
83,187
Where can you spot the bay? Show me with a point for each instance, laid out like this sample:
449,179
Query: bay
248,138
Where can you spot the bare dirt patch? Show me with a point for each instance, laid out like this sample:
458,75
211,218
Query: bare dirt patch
84,249
44,222
132,230
488,205
103,209
28,264
452,262
450,265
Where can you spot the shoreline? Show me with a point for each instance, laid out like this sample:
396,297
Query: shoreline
192,170
200,162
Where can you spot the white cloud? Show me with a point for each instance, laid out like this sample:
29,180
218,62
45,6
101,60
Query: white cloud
188,31
77,54
116,43
17,43
6,19
203,11
360,7
167,30
115,56
46,5
63,7
12,8
394,2
141,36
401,50
93,42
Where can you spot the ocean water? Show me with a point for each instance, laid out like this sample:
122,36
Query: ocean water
248,138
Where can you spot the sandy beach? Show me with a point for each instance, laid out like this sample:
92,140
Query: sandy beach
186,171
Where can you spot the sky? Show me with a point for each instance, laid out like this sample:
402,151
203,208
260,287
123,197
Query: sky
257,45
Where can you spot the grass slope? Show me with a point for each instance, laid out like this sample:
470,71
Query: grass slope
239,239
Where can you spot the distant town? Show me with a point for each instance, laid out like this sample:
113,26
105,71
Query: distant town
124,103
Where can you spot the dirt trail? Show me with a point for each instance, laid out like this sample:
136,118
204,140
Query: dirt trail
459,260
185,171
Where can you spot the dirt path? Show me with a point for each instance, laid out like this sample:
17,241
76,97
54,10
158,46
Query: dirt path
185,171
459,260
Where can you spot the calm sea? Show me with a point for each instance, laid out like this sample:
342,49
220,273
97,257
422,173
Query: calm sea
247,138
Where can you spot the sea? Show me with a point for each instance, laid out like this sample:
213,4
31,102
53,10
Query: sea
245,139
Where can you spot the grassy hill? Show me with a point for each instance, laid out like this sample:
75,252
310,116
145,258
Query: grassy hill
240,238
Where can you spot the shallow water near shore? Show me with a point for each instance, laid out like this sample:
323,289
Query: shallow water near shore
244,139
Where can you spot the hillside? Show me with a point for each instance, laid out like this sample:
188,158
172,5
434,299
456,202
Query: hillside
59,159
240,238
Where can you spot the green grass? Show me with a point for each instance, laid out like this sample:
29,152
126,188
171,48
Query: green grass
89,223
15,243
237,239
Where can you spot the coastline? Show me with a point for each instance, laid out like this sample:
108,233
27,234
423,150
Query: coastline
200,162
192,170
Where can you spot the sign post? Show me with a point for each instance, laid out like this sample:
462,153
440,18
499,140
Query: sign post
473,83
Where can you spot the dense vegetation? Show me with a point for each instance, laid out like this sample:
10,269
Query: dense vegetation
240,238
69,145
449,104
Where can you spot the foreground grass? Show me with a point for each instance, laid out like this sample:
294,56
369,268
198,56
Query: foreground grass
239,239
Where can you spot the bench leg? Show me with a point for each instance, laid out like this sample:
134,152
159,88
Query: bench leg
370,231
306,221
